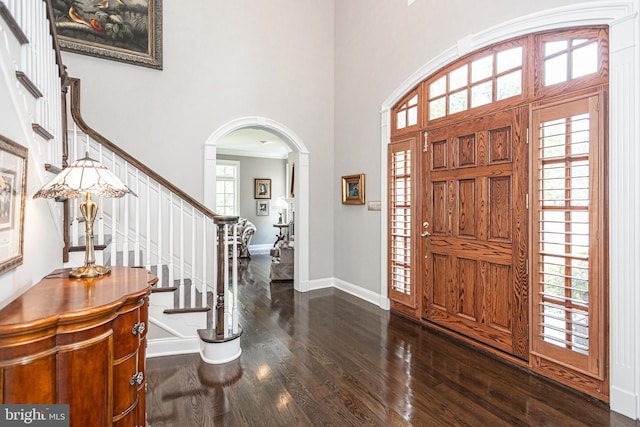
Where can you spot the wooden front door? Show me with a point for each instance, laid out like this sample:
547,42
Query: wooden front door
474,236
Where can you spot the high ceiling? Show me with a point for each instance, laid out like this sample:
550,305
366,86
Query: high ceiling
253,142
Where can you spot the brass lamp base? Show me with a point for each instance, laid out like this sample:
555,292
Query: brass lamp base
90,271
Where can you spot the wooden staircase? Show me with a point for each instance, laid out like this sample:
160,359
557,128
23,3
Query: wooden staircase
163,229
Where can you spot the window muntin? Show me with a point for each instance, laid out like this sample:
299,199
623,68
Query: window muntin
569,58
407,113
481,81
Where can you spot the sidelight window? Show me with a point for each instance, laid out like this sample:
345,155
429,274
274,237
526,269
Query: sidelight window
566,276
402,288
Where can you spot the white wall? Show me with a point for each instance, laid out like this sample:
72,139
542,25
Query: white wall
224,60
250,169
42,241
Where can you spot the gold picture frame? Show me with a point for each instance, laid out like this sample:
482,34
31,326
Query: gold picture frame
353,189
262,188
13,187
127,31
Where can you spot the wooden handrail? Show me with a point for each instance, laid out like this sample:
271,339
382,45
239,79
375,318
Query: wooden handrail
74,84
62,71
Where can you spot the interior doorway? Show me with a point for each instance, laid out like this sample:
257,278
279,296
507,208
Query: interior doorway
298,182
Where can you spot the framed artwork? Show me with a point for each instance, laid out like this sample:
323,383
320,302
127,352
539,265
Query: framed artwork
353,189
122,30
262,189
13,184
262,208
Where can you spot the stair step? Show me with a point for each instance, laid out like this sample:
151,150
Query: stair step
164,289
52,169
29,85
45,134
82,245
186,310
13,24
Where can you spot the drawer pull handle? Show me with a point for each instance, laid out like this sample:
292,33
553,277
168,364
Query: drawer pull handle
138,328
137,379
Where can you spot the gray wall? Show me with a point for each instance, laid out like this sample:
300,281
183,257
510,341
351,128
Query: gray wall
250,169
224,60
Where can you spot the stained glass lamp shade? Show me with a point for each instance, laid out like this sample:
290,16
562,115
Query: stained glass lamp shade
83,178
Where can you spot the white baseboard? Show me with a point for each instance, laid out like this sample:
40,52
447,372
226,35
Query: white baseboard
172,346
355,290
321,283
260,249
625,402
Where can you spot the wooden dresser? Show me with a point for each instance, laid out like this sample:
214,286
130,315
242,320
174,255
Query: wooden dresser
80,342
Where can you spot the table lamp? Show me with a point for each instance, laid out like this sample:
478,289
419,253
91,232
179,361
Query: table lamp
282,205
83,178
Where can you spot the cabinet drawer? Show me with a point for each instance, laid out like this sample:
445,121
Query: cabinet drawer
126,332
129,420
124,392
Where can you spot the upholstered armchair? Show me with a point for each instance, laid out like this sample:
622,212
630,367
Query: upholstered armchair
246,230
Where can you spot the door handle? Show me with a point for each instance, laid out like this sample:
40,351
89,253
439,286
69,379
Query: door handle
425,233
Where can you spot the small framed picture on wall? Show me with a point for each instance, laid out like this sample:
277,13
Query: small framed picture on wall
262,208
353,189
262,188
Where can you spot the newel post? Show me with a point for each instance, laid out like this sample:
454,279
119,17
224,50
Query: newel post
221,344
222,274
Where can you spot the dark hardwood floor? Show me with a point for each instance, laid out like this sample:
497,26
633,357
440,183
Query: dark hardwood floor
328,358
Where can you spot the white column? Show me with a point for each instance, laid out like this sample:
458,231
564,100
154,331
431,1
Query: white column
624,211
301,253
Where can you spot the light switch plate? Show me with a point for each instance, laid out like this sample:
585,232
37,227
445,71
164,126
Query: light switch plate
374,206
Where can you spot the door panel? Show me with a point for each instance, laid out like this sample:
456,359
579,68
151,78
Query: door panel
474,264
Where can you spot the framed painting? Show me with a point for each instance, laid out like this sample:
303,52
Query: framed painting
122,30
262,189
353,189
262,208
13,184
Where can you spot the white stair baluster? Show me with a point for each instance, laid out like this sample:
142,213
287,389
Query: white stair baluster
125,213
193,301
160,268
234,269
227,312
204,261
114,233
148,225
114,221
75,232
215,275
182,290
136,245
171,252
100,209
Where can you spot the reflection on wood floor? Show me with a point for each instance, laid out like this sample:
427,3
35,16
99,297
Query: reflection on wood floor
328,358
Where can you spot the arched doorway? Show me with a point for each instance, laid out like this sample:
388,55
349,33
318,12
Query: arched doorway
301,177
